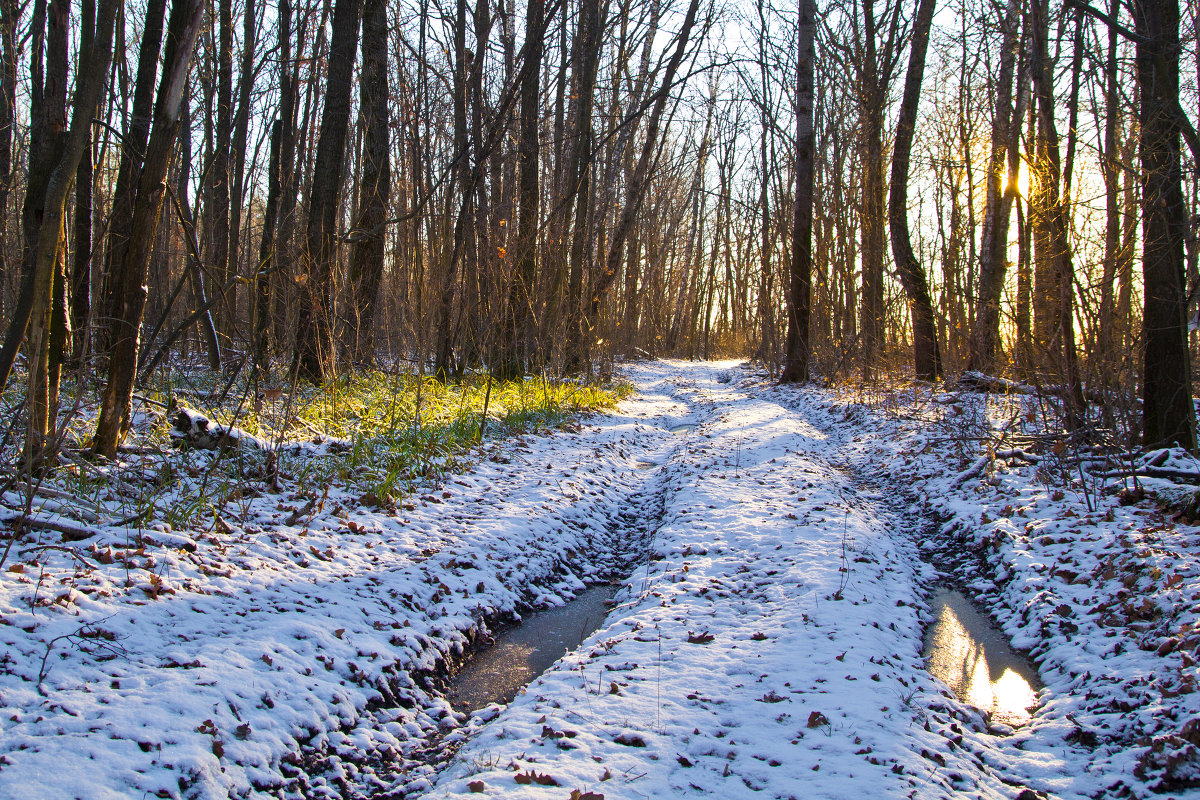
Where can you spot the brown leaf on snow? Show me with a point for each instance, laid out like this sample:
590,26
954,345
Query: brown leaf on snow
816,719
477,787
578,795
700,638
529,777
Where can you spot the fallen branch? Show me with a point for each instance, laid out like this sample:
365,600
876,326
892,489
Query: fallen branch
71,533
973,471
1152,472
979,382
1017,453
71,551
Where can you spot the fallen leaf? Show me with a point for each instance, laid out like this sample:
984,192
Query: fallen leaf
700,638
477,786
529,776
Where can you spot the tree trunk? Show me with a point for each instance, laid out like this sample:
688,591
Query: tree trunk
366,257
586,57
129,276
993,247
133,153
463,223
241,124
1110,167
48,324
519,333
1168,417
10,18
926,358
81,272
288,182
216,212
314,357
195,277
1054,328
260,316
873,98
795,368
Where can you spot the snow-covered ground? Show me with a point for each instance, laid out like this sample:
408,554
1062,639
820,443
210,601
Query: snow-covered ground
767,643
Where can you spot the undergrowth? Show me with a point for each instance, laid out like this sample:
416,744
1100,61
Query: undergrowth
378,435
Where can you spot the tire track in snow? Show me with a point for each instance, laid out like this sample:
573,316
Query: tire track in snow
290,670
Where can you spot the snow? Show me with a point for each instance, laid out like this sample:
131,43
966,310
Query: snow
776,547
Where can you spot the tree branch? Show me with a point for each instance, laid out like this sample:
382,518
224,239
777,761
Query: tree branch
1084,8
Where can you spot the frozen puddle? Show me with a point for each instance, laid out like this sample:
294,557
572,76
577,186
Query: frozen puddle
520,654
970,655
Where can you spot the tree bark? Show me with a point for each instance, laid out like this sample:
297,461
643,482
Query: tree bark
1110,167
133,153
81,272
1054,275
993,246
10,18
130,275
261,306
241,125
926,357
519,332
366,257
314,358
288,181
47,262
796,369
1168,417
216,212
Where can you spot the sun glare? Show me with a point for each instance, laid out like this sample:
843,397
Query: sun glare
1022,183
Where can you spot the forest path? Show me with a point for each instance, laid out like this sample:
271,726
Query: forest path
770,647
766,644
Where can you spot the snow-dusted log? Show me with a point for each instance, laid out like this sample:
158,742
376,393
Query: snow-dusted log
193,429
979,382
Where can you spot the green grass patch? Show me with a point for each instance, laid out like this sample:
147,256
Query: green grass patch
392,433
395,433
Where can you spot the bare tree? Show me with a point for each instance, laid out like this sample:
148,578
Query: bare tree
800,284
314,356
926,358
128,276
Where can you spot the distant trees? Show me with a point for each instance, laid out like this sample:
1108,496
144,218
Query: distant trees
548,185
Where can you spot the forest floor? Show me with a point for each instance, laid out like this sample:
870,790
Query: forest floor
777,549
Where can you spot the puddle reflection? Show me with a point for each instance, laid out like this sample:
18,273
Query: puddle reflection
966,651
520,654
